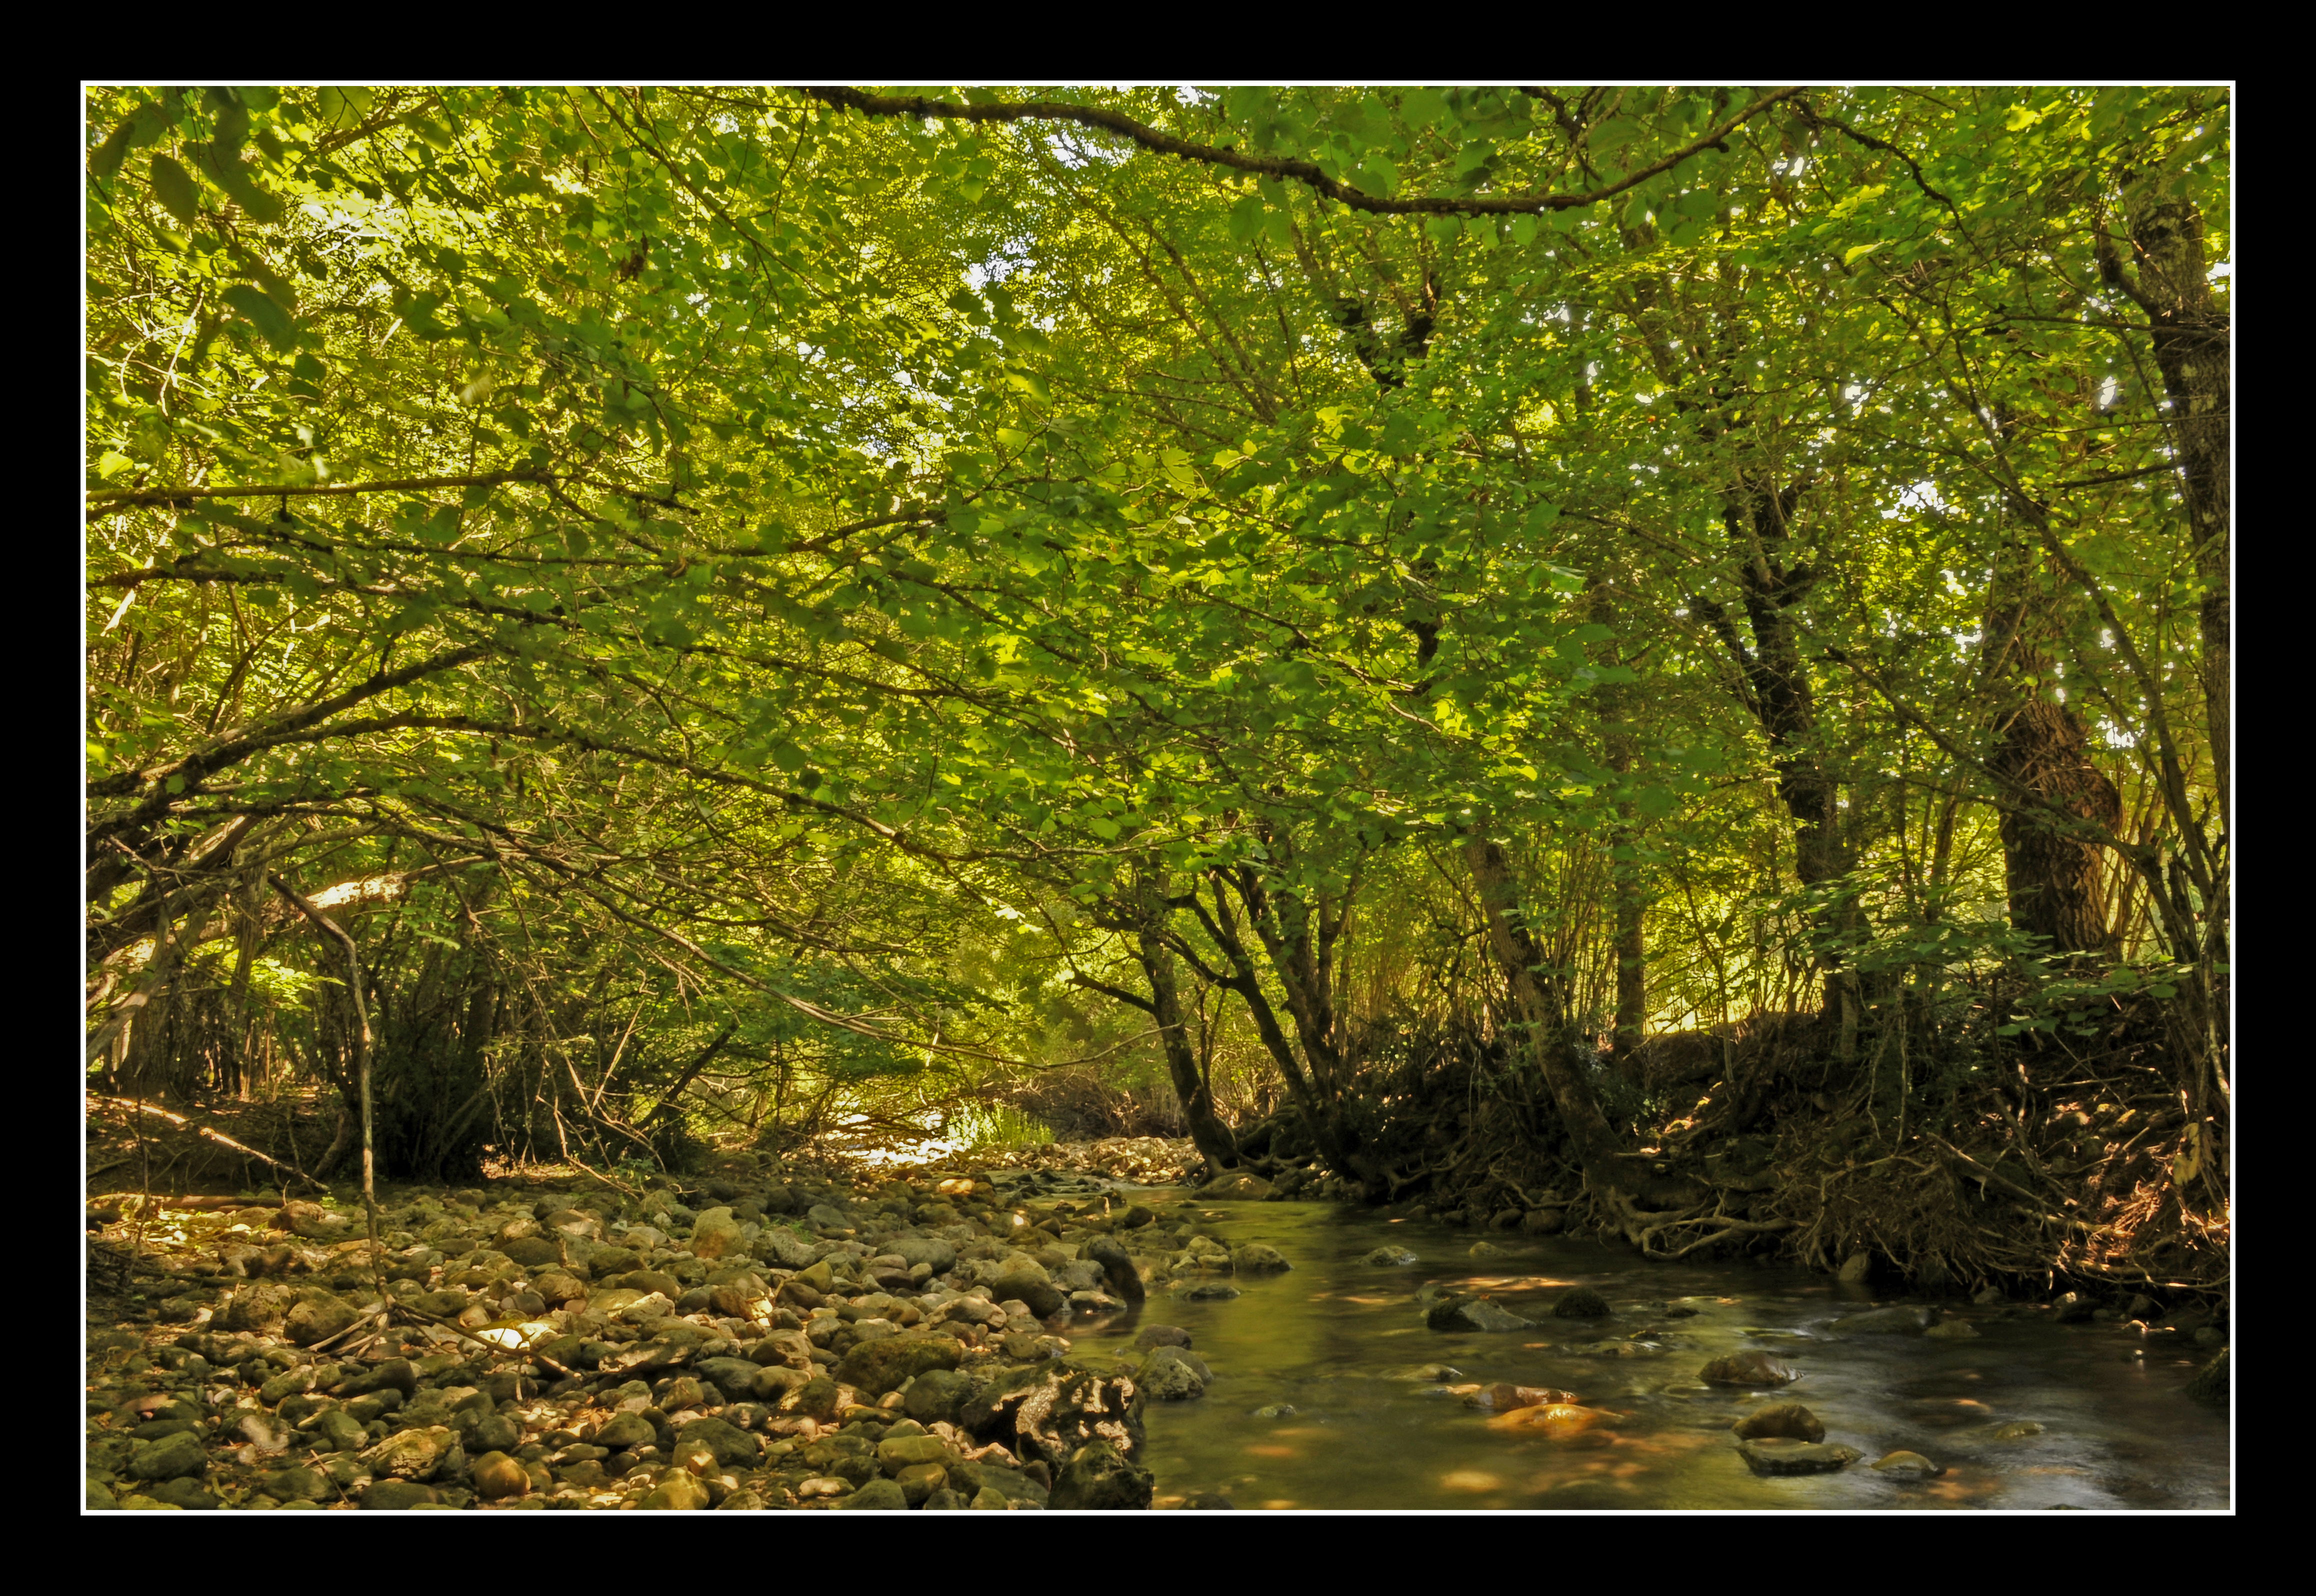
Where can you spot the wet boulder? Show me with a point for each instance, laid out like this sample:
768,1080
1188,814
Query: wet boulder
1473,1312
1390,1257
1749,1368
1784,1420
1897,1320
1237,1184
1097,1476
1256,1259
1048,1410
1780,1456
1169,1374
1582,1303
1116,1266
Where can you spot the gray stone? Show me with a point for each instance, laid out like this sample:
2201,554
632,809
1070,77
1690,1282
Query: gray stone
413,1454
826,1218
1906,1465
1025,1279
1211,1291
1390,1257
928,1249
1778,1455
1162,1335
783,1246
1238,1184
714,1234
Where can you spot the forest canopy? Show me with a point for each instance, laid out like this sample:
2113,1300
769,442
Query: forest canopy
738,608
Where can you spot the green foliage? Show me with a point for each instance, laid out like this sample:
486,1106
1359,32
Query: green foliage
800,569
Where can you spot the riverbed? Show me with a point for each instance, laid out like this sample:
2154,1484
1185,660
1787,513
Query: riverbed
1328,1393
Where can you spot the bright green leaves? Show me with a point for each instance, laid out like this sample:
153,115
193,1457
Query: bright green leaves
174,188
265,314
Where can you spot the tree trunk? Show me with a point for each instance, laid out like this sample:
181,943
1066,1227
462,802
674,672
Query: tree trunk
2190,335
1541,1011
1208,1132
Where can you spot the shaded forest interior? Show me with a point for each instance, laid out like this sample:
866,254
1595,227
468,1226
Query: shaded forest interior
1641,662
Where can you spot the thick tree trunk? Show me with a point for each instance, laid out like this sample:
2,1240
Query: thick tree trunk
2190,335
2059,802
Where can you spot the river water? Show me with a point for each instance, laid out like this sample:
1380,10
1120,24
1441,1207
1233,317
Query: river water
1342,1342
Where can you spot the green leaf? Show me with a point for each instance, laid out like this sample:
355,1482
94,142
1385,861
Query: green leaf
1858,252
114,150
173,186
280,330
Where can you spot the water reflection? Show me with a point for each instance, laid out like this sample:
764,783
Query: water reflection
1330,1391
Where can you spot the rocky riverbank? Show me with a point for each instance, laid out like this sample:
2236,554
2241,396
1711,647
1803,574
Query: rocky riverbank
754,1343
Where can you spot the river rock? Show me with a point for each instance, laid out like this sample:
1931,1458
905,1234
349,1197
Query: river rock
1023,1278
677,1491
1116,1266
1906,1465
173,1457
318,1318
788,1348
876,1367
608,1261
1211,1291
714,1234
622,1430
413,1454
1783,1421
826,1218
1582,1303
1168,1374
928,1249
532,1251
875,1496
2072,1307
296,1484
1888,1321
1855,1268
396,1374
2210,1384
1240,1184
1098,1477
935,1397
1749,1368
2018,1429
1503,1397
785,1247
1951,1330
1473,1312
498,1477
1049,1410
1778,1455
1486,1249
1390,1257
1541,1221
1256,1259
733,1447
397,1497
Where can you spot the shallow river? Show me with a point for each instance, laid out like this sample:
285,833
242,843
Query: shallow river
1343,1344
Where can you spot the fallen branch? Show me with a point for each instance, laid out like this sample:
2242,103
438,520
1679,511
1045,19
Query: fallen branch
223,1140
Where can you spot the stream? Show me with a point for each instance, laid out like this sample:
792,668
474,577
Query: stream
1341,1342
